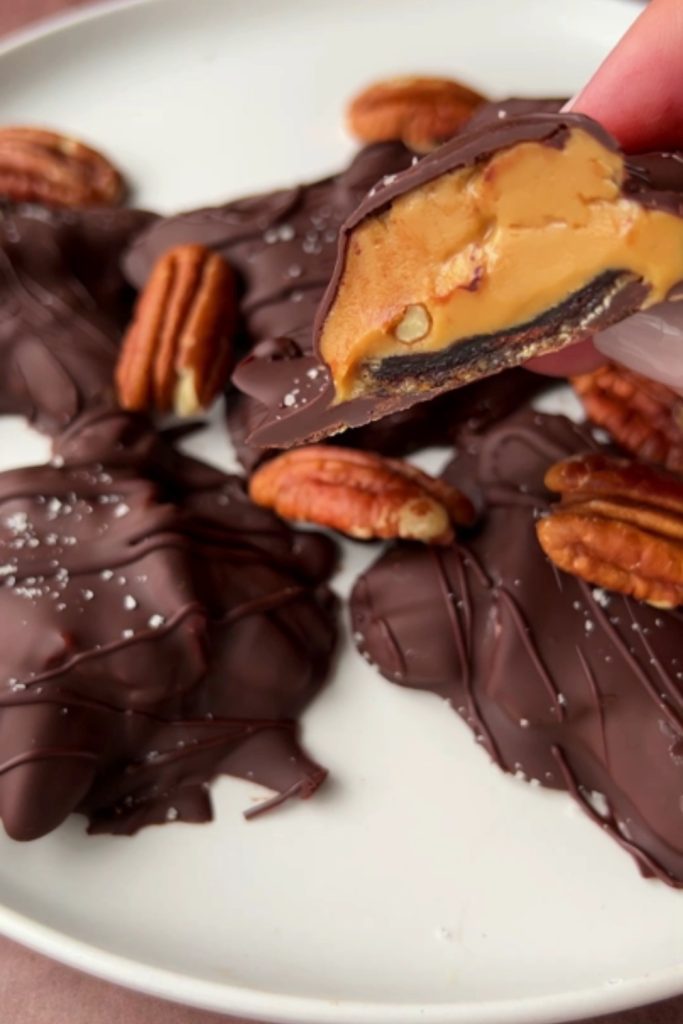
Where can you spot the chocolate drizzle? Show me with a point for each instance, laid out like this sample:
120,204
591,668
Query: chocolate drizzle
64,304
564,684
136,585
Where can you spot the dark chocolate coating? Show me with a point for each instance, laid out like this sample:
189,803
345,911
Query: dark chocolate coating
514,106
64,305
158,629
297,410
561,682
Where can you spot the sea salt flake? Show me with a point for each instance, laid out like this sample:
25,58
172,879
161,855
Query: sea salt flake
598,801
17,522
155,621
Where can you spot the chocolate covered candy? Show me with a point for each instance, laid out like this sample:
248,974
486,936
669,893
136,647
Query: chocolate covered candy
514,239
159,630
65,302
561,682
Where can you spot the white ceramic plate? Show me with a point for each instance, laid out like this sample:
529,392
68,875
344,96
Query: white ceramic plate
424,888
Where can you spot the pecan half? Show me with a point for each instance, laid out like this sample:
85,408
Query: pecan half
420,111
360,494
39,166
619,525
643,416
176,353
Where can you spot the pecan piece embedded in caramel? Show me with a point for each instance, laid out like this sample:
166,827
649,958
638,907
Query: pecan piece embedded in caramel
420,111
503,244
177,351
619,525
360,494
643,416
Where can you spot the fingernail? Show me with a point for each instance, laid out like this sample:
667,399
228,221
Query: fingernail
570,104
650,343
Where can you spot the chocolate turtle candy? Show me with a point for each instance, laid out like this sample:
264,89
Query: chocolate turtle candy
158,629
564,684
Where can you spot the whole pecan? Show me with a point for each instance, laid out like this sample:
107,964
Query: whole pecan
40,166
420,111
176,353
360,494
643,416
619,525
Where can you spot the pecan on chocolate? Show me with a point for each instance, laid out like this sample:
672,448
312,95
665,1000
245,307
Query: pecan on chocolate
422,112
176,353
619,525
39,166
360,494
643,416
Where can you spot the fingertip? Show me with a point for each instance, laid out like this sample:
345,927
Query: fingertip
570,362
649,343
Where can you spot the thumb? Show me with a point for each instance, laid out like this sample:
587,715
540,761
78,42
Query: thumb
650,343
637,93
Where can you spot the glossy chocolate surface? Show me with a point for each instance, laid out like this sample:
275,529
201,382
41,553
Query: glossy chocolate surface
561,682
64,305
158,630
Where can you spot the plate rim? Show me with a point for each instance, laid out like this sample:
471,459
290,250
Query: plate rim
255,1004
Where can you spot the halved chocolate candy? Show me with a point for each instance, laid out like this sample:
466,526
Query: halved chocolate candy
517,241
510,241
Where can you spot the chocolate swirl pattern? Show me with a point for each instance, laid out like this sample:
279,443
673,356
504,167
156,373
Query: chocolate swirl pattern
136,586
563,684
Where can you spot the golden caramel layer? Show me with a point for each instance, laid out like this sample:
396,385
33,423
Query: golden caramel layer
490,248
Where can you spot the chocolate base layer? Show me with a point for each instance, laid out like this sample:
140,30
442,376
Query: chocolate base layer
65,304
563,684
157,629
603,302
437,422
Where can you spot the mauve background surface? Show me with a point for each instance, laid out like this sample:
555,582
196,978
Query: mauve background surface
35,990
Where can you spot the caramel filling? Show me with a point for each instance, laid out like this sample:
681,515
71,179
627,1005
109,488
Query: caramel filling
490,248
